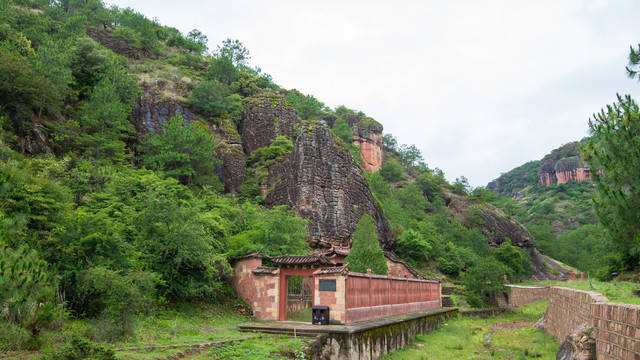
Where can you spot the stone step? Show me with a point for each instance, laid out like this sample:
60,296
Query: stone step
447,301
284,330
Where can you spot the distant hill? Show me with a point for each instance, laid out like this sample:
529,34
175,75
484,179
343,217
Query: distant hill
552,198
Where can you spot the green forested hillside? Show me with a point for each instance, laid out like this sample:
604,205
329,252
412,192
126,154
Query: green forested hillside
105,224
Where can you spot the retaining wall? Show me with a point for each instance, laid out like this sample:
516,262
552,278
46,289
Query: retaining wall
375,339
616,327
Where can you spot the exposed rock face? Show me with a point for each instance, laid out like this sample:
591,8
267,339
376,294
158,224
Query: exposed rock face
323,183
117,45
233,172
497,227
369,136
266,116
578,345
367,133
149,114
563,171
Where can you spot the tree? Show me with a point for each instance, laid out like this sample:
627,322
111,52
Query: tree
634,62
365,252
277,231
343,131
27,288
614,150
391,170
412,245
410,154
183,153
235,52
209,98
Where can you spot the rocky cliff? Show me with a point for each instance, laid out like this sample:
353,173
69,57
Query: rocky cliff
322,181
266,116
563,171
497,227
319,178
367,133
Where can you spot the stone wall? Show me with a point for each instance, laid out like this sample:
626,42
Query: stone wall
376,339
335,300
568,309
260,291
522,295
617,330
616,327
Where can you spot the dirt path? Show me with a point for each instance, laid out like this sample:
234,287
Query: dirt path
511,325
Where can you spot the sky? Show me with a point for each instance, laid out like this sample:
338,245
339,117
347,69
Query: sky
479,86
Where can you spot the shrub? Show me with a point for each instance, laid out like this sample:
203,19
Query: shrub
391,170
79,349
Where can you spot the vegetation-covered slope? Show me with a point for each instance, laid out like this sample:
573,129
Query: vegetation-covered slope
134,166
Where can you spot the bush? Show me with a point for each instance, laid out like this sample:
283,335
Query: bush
13,337
391,170
412,245
79,349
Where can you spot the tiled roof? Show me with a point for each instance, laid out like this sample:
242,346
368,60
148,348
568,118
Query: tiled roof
265,270
249,256
333,270
391,256
339,250
300,260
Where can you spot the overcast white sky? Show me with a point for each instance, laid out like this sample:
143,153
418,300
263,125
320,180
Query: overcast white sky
479,86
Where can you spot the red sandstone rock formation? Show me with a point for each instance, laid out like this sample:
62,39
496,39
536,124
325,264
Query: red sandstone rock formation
369,138
367,133
323,183
563,171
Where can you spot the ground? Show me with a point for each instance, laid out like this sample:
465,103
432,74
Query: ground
503,337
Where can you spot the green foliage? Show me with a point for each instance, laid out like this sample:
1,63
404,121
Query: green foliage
343,131
80,349
307,106
390,141
120,297
412,245
391,170
209,98
365,252
461,186
183,153
615,150
276,231
27,289
484,194
278,147
410,154
233,51
483,280
516,260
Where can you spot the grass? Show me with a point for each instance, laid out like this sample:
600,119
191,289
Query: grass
302,315
616,291
503,337
172,333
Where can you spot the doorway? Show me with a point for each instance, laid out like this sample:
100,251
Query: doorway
299,298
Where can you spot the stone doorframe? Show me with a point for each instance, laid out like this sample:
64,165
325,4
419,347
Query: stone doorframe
284,274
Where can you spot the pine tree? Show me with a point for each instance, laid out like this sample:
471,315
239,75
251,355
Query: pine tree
614,150
365,252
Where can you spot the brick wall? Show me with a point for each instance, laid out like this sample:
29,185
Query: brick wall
617,330
522,295
616,327
568,309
